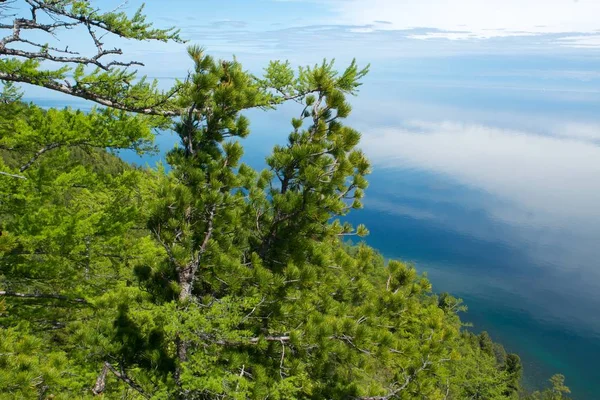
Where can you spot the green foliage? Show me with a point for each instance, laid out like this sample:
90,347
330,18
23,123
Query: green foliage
110,82
32,130
558,391
11,94
29,369
117,22
213,280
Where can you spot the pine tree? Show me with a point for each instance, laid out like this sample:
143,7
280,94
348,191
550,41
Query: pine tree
558,391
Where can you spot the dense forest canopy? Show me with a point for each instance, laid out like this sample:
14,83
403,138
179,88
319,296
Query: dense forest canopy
213,280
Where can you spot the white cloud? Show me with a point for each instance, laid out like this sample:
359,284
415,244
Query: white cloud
444,35
581,41
554,180
401,210
489,18
579,130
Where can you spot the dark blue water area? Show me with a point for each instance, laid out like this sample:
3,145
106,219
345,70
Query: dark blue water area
164,140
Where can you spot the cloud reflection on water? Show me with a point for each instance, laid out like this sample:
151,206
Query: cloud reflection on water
535,194
554,180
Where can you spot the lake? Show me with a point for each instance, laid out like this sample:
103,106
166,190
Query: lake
486,176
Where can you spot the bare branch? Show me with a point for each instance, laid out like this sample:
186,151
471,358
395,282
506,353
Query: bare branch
250,341
13,175
98,25
37,155
101,381
85,94
407,380
281,339
281,367
42,296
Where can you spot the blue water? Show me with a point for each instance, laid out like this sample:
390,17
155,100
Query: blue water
486,175
480,272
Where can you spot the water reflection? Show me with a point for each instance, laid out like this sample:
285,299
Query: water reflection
505,218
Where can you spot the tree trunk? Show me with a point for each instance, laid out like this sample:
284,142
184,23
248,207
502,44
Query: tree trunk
101,381
186,277
186,283
186,280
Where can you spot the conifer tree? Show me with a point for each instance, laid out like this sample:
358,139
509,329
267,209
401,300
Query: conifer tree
70,217
558,391
32,33
319,174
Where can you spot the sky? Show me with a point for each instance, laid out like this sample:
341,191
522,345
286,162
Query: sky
379,31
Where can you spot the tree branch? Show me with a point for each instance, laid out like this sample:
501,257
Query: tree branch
65,16
249,341
407,380
42,296
37,155
97,22
84,94
13,175
101,381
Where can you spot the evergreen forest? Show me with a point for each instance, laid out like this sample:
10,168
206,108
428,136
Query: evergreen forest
204,278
